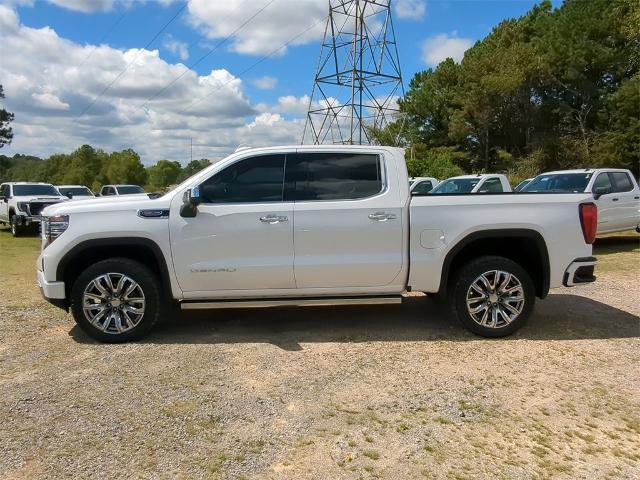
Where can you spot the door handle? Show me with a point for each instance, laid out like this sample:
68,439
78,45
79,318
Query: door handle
381,216
636,198
615,199
273,219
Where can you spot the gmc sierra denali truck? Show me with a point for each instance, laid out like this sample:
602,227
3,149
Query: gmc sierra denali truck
309,226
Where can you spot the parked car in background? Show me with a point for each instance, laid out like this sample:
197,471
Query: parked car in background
522,184
115,190
483,183
21,203
422,185
77,192
307,225
615,191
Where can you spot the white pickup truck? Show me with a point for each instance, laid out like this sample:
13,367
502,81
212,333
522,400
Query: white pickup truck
21,204
310,225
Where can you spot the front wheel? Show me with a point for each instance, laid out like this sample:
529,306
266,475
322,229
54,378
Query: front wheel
116,300
16,228
493,296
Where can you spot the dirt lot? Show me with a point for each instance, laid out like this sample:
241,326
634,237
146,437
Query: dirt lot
393,392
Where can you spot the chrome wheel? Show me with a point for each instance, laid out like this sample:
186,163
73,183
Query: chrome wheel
495,299
114,303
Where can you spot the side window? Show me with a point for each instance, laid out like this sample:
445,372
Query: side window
422,187
4,190
492,185
332,176
622,182
252,180
602,181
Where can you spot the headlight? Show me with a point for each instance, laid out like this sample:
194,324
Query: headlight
22,206
53,227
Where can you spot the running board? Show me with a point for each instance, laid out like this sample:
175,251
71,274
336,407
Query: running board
291,302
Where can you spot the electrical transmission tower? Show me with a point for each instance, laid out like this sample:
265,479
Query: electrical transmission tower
358,79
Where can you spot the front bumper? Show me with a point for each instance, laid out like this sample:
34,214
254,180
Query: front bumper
580,271
53,292
26,220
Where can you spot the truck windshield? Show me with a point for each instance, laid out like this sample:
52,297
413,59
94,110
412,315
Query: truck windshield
129,189
75,191
26,190
456,185
559,183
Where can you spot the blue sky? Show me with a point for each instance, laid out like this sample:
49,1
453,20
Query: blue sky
48,93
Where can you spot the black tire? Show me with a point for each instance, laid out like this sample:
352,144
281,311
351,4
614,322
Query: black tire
471,272
148,283
16,229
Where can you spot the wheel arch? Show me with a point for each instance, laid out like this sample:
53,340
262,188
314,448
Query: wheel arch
88,252
524,246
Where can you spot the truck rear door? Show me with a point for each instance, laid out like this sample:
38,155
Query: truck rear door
347,219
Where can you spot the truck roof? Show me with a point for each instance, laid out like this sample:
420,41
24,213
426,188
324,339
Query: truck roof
586,170
27,183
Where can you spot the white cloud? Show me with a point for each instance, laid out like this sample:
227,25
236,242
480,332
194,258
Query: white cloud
440,47
47,91
410,9
49,101
176,47
279,22
265,83
85,6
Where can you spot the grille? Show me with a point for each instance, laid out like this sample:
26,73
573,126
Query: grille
36,208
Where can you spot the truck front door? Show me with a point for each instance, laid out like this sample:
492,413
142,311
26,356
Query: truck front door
347,220
242,235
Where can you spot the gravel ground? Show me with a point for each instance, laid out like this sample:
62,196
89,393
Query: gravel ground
385,392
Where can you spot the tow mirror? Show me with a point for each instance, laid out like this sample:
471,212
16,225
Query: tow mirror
190,201
69,195
600,191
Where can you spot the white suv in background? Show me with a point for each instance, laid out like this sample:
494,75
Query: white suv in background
21,203
422,185
615,191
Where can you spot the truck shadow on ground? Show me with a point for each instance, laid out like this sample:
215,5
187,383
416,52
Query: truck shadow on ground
559,317
616,244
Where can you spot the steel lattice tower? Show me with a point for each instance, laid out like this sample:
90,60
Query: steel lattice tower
358,78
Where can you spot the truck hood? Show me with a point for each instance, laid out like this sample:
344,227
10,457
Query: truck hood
39,198
111,204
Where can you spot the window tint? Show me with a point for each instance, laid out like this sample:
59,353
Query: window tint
252,180
35,189
456,185
332,176
129,189
602,181
492,185
422,187
4,190
622,182
559,182
81,191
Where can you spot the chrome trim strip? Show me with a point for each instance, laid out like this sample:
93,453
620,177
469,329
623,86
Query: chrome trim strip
295,302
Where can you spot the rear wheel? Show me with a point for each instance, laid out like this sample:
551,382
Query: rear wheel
116,300
493,296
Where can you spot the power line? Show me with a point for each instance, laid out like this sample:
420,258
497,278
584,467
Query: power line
213,49
133,61
253,65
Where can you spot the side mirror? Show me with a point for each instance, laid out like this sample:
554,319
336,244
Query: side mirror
5,199
600,191
190,201
69,195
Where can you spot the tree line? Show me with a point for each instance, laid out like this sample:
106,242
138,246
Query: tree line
94,168
555,88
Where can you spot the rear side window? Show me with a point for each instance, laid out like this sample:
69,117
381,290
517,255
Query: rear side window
492,185
422,187
252,180
602,181
332,176
621,181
